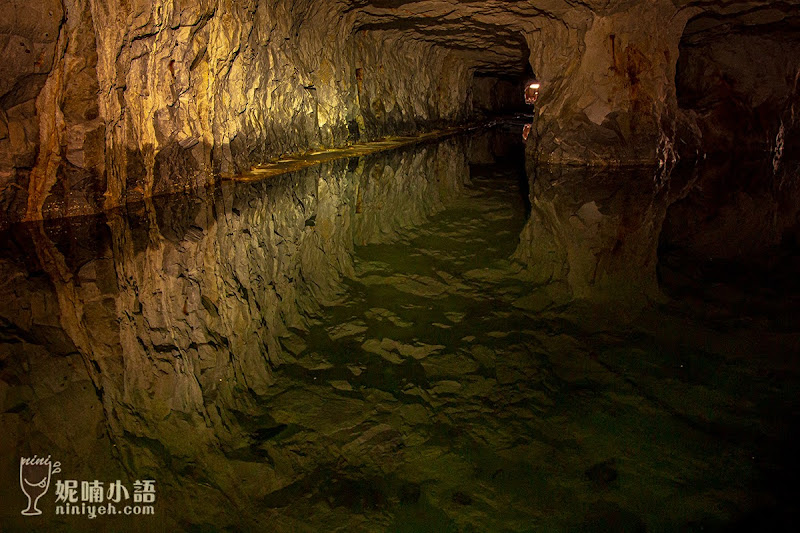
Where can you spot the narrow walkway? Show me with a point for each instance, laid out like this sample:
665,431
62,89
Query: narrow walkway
316,157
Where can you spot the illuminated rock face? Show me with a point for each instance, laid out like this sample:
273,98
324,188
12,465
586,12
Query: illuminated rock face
608,93
102,104
132,100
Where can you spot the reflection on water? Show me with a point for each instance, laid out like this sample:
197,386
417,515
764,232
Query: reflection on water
383,343
591,234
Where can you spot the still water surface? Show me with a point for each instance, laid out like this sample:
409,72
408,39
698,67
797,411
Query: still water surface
371,345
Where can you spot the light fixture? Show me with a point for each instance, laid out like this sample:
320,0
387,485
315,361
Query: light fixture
532,92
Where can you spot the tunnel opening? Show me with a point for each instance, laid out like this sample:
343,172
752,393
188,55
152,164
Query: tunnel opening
501,148
500,94
370,309
484,71
498,77
733,235
737,79
496,95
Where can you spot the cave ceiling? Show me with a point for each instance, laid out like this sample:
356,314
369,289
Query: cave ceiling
489,35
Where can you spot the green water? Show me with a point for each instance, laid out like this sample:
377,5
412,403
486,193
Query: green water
436,404
353,348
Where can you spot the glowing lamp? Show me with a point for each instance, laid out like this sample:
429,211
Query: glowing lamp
532,92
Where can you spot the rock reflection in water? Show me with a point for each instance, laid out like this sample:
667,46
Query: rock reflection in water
593,234
175,311
357,346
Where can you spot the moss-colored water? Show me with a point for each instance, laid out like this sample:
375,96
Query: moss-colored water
442,406
352,347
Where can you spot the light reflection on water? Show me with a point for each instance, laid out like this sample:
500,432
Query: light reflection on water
382,343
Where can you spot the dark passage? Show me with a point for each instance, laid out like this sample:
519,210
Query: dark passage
417,340
395,265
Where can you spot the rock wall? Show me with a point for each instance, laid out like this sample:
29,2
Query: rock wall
102,104
608,85
608,75
740,87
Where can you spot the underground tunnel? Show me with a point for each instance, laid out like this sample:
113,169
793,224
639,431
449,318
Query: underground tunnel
387,265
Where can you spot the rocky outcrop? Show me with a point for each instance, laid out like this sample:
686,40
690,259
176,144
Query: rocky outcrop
608,93
29,41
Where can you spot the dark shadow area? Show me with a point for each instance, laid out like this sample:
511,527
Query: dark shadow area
738,75
495,94
502,149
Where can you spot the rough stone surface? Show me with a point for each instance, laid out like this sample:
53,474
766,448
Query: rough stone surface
145,98
608,90
102,104
738,80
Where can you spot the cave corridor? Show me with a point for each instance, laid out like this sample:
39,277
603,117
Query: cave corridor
292,265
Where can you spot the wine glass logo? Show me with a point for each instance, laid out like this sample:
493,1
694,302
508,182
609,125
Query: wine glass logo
34,479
